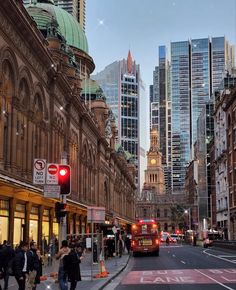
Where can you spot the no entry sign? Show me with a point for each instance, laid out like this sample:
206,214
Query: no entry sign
52,173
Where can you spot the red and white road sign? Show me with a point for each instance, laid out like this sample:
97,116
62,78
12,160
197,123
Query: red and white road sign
39,171
52,173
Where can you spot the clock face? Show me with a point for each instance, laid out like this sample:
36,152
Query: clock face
153,161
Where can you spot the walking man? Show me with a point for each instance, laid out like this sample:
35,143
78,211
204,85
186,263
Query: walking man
20,267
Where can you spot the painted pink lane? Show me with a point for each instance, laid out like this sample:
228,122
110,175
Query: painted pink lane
185,276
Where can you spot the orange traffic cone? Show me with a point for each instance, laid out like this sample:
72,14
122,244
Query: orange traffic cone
103,272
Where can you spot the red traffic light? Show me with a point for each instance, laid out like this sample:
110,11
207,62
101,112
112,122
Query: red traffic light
63,172
64,179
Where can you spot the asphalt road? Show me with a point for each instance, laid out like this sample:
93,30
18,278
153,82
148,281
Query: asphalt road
180,267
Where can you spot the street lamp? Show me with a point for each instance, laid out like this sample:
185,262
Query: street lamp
188,211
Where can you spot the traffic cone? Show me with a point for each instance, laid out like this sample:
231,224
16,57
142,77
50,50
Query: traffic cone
103,272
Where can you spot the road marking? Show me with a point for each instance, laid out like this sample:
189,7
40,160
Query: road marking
182,262
219,257
173,255
226,256
181,276
209,277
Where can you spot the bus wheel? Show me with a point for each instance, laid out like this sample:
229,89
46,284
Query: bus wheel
134,254
157,253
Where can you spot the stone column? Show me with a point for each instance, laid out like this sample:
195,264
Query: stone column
2,139
27,221
51,217
12,208
14,141
40,226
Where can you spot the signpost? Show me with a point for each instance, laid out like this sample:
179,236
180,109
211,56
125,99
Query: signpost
51,191
39,171
52,173
97,215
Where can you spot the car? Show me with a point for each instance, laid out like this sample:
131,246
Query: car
164,235
174,238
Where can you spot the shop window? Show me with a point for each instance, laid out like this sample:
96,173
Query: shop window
3,229
55,229
18,230
33,230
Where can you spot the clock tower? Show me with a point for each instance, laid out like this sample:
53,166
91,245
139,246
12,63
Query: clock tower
154,175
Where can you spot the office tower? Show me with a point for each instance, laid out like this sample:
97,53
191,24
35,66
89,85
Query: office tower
121,85
205,133
160,111
197,69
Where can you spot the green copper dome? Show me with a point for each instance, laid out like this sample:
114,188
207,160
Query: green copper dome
70,29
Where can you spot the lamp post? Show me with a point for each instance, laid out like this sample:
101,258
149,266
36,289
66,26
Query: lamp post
188,211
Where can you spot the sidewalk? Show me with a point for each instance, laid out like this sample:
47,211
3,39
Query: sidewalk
113,265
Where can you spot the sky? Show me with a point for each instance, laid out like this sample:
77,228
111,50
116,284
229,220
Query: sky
115,26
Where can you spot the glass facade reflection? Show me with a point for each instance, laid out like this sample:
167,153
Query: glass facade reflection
197,69
160,110
120,82
180,77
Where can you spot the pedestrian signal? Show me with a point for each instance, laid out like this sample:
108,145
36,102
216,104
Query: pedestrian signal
60,210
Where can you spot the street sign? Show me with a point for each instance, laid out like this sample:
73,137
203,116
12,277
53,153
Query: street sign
39,171
96,214
51,191
52,173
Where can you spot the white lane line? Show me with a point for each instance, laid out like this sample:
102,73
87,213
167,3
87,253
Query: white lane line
223,285
183,262
218,257
173,255
225,256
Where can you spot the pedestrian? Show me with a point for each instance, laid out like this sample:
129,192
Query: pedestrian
33,266
20,265
1,267
72,265
128,243
95,253
8,255
62,275
120,245
167,241
39,270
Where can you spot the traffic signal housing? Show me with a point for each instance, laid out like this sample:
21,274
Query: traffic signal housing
60,210
64,179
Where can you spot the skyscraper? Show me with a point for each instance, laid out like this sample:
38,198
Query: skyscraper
197,69
121,83
74,7
160,110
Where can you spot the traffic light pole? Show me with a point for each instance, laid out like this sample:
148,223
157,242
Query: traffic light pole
62,225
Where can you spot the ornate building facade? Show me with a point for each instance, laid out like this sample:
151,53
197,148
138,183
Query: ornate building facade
155,203
154,175
43,60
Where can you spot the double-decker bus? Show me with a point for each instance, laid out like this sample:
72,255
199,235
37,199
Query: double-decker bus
145,238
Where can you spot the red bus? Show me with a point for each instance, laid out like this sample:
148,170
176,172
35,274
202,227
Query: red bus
145,237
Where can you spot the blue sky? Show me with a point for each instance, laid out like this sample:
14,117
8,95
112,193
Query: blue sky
115,26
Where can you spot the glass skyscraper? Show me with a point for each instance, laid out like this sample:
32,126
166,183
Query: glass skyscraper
180,93
160,110
121,82
197,69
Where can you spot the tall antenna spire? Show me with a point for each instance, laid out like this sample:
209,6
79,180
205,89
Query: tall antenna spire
129,63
